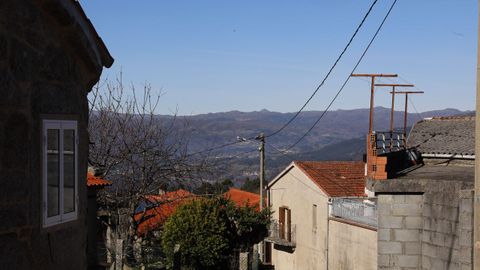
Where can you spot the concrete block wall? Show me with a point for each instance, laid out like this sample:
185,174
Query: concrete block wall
447,231
429,231
400,231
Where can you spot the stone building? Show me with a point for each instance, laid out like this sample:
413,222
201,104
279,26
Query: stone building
50,57
425,212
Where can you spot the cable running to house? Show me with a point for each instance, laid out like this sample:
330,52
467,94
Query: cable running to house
346,81
301,109
217,147
419,115
326,76
241,154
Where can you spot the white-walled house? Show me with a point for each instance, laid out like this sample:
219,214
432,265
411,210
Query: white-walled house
300,198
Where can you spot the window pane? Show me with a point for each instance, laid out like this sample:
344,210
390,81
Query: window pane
53,172
68,170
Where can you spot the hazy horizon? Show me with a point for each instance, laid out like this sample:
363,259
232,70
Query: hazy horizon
214,56
339,109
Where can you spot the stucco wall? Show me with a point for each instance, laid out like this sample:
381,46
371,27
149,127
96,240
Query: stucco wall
41,74
297,192
351,247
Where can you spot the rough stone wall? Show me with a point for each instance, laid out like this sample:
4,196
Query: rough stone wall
399,231
429,231
40,75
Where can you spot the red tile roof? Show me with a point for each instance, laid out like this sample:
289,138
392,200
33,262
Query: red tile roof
242,198
93,180
153,218
336,178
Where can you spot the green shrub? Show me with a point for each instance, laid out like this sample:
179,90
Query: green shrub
208,231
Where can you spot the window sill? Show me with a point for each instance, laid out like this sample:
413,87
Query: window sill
60,225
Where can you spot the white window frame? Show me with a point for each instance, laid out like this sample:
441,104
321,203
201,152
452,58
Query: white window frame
62,217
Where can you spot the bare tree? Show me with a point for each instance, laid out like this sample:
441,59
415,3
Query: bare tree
134,149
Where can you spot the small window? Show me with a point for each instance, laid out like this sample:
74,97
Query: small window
60,167
314,217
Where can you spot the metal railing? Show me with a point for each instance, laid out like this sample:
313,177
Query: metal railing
359,210
386,141
281,234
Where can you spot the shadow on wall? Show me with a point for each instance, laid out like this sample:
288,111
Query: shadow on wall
284,248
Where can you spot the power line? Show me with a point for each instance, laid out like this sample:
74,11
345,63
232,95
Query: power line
346,81
316,90
326,76
419,115
241,154
404,80
217,147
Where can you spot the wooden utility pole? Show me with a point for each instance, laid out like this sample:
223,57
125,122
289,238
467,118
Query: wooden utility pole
406,93
371,151
261,138
261,149
393,85
372,93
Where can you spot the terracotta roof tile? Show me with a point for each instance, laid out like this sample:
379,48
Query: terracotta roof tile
93,180
153,214
169,196
336,178
242,198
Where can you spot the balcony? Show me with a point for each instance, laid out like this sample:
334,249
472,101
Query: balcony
358,210
281,234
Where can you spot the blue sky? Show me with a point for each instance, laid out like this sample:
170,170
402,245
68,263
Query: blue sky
216,55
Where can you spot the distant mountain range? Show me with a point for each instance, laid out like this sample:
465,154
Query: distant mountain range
338,136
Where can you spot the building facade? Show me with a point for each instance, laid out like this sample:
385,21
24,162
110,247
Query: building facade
425,213
51,56
304,234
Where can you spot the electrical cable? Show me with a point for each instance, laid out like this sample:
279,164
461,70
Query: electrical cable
346,81
419,115
405,81
218,147
241,154
314,93
327,75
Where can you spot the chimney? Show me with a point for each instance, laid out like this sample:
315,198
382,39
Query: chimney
376,165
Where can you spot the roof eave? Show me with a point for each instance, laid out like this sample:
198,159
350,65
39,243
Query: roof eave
281,174
74,9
